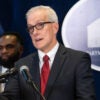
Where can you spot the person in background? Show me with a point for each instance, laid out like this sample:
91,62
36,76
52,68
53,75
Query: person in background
58,72
11,49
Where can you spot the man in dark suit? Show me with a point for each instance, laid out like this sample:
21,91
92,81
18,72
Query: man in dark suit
70,75
11,49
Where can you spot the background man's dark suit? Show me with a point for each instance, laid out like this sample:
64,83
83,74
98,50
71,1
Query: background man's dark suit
68,66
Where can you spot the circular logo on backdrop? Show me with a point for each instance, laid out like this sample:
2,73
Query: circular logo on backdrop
81,29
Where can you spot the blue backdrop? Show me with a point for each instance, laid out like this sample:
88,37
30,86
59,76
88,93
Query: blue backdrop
12,18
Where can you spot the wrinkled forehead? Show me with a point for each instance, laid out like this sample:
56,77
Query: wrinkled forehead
38,15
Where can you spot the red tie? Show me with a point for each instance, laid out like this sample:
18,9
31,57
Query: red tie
44,73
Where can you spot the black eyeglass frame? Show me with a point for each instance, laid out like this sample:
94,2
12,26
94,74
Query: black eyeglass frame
38,26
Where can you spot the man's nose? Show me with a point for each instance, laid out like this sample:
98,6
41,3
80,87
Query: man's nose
4,50
35,32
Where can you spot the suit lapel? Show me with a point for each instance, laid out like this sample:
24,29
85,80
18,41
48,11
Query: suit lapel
34,70
56,68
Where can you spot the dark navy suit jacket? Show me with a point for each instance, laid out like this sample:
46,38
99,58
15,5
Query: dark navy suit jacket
70,78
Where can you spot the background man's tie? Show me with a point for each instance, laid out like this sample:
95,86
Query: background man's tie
44,73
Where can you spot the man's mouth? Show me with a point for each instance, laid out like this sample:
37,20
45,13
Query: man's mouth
5,57
38,40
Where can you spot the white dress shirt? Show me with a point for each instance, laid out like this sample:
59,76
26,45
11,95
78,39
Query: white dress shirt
2,85
51,55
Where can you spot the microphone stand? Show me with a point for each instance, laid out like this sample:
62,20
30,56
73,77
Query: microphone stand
35,87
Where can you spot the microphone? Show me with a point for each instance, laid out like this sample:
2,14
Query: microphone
24,70
8,73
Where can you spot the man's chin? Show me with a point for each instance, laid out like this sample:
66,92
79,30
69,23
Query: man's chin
7,65
5,59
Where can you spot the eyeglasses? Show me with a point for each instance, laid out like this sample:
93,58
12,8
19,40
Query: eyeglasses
38,26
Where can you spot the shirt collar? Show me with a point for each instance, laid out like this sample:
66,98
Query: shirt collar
51,53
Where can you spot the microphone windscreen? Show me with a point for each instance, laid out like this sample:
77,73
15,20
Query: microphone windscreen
24,67
24,70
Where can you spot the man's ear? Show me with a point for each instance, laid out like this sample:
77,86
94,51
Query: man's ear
56,27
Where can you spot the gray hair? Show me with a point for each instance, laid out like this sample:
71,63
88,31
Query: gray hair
52,16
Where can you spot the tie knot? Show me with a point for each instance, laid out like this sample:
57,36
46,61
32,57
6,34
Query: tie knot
45,58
